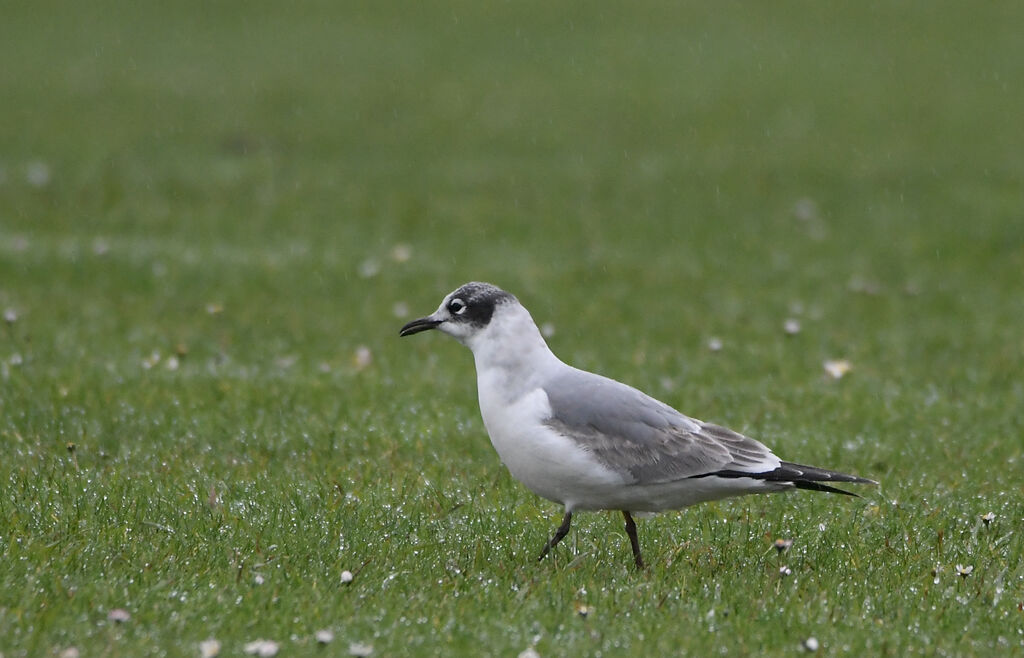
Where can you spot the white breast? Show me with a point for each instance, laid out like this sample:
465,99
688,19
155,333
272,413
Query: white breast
549,464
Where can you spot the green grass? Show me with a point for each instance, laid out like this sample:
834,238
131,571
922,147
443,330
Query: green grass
224,185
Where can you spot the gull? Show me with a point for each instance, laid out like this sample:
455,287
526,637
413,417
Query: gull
591,443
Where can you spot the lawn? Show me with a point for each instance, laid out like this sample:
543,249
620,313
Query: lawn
214,217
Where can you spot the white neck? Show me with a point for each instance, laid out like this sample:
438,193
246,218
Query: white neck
510,351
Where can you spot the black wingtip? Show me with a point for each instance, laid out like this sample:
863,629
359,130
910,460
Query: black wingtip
803,477
817,486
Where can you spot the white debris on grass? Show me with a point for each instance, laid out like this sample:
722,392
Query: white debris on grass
324,636
347,577
360,649
837,368
37,173
118,615
715,344
791,326
369,268
262,648
209,648
811,644
362,358
400,253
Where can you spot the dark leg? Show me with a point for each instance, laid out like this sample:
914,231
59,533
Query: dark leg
633,541
560,534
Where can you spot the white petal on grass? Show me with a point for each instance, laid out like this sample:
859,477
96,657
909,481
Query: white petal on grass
715,344
10,315
785,571
360,649
837,368
362,358
286,361
583,609
209,648
400,253
151,360
369,268
324,636
811,644
347,577
805,209
119,615
172,363
791,326
37,173
262,648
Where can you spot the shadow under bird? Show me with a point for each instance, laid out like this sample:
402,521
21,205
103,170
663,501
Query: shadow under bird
591,443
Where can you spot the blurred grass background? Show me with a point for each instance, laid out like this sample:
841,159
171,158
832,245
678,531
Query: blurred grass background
215,216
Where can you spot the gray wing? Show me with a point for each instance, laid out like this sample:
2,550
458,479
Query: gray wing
645,440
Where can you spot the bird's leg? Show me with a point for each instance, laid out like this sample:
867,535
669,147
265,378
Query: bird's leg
633,541
560,534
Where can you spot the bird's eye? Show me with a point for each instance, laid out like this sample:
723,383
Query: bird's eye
457,307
